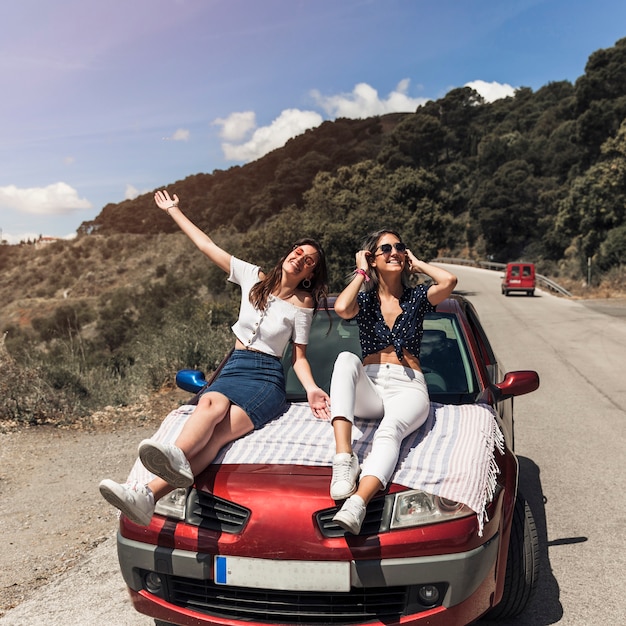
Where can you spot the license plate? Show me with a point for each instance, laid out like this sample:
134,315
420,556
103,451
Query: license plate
286,575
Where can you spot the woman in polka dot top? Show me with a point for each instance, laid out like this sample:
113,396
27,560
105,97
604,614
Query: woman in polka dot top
388,385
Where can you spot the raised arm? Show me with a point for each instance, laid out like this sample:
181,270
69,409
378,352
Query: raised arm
346,305
445,282
202,241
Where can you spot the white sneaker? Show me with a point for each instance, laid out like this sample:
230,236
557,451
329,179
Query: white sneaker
167,462
135,501
351,515
345,472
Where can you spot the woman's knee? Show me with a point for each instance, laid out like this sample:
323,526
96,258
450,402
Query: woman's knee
347,365
213,406
347,359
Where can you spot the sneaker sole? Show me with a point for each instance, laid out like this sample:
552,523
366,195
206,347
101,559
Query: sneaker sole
345,524
157,462
120,503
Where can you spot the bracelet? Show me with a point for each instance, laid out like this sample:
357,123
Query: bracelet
171,206
363,273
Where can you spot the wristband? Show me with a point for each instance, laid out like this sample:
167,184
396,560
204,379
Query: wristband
363,273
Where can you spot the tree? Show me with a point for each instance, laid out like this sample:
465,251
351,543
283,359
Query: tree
596,201
505,209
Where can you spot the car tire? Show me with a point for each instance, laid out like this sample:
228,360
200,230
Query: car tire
522,565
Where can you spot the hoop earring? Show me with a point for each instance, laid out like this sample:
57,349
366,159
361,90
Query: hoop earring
306,283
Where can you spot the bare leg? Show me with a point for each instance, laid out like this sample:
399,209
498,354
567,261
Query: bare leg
235,425
159,488
214,431
198,430
343,435
368,487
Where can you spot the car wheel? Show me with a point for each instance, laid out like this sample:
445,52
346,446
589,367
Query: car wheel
522,565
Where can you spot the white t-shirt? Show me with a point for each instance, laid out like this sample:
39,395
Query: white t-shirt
269,330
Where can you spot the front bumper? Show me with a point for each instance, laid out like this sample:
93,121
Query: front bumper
178,585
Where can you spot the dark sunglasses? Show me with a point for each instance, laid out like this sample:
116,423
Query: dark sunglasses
386,248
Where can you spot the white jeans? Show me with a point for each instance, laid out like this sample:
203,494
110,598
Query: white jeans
394,394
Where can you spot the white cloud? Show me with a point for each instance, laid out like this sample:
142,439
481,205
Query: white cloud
182,134
131,192
243,141
288,124
491,91
364,101
236,126
56,199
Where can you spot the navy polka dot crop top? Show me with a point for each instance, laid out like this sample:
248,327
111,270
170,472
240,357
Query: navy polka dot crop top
407,330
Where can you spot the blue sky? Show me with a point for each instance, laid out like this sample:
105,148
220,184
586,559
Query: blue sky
104,100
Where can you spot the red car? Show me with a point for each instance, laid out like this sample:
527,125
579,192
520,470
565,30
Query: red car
253,542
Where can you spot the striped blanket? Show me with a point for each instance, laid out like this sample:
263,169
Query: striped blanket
452,455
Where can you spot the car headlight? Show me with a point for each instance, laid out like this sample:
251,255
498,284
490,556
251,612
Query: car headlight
173,504
417,508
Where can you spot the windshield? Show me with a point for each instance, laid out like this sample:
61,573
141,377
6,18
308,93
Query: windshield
444,357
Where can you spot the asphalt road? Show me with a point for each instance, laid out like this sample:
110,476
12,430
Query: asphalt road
570,437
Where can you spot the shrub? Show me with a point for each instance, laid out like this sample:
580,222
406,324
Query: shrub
26,397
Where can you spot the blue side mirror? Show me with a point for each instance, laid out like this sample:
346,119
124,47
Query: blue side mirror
190,380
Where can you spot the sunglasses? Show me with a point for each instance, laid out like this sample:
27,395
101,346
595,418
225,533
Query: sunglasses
386,248
309,261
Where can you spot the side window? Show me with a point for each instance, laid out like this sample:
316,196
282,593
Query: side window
444,357
484,346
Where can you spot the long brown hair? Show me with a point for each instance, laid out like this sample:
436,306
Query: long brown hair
319,280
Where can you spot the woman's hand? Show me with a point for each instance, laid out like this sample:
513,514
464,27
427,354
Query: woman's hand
163,200
319,402
413,261
362,260
444,284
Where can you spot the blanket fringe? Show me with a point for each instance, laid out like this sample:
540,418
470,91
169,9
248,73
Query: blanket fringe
496,442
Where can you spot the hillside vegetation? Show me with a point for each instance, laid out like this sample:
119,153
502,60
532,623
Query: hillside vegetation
110,316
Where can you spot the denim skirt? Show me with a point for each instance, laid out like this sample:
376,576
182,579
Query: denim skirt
255,382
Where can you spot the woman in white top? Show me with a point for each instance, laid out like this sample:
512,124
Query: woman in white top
250,390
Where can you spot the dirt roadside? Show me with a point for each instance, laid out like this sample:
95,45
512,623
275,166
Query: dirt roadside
51,513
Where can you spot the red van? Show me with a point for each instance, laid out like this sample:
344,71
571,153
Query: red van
519,277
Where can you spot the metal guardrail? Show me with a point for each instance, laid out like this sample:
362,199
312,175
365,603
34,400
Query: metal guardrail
544,281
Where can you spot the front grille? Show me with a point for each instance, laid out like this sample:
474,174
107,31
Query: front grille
284,607
208,511
374,522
